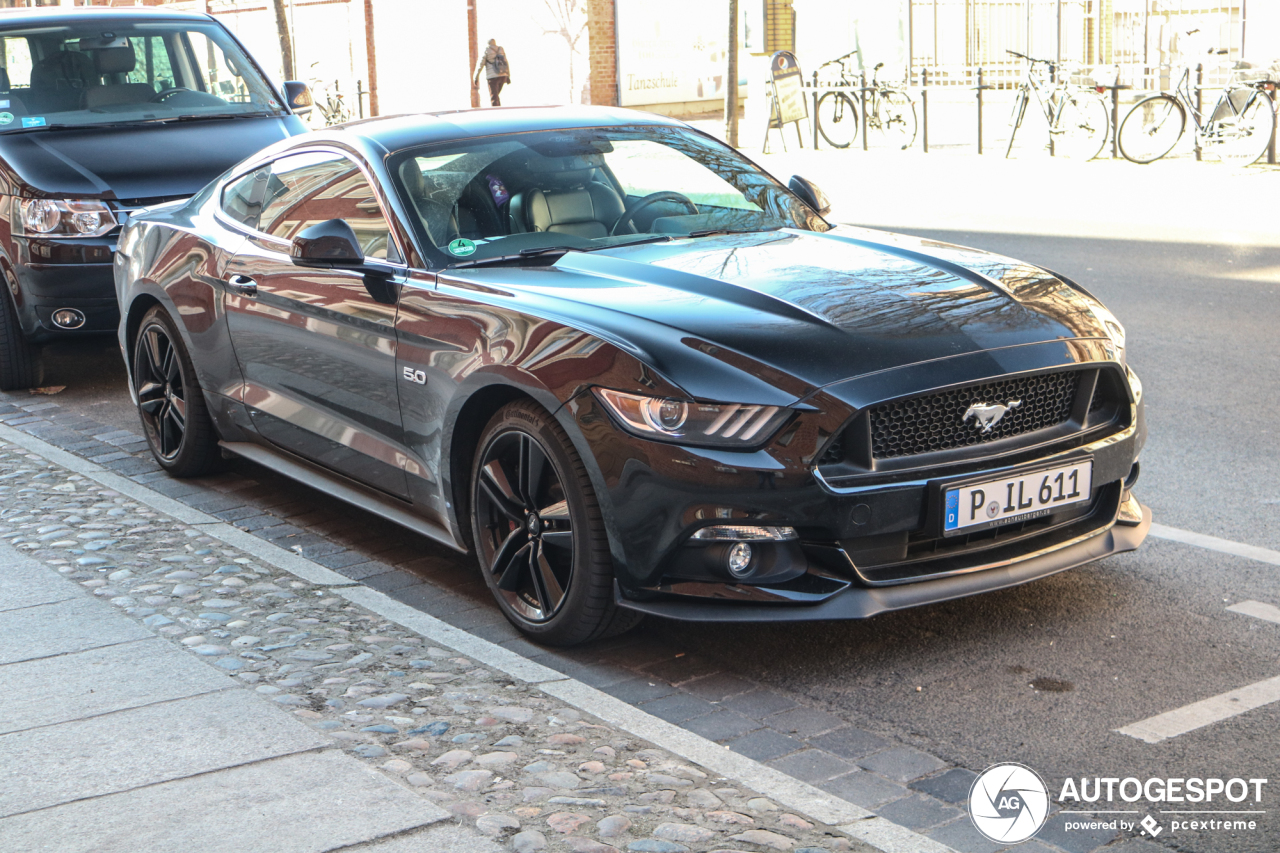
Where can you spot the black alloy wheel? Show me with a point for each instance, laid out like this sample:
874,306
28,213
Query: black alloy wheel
170,401
538,531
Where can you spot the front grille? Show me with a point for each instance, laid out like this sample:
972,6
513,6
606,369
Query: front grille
935,422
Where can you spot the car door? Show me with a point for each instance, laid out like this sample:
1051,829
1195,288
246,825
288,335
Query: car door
318,352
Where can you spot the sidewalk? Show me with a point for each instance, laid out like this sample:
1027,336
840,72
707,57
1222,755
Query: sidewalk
162,689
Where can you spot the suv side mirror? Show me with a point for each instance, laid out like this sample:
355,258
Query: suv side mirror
298,96
810,194
328,244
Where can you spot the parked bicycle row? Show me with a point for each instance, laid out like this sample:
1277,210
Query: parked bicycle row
1234,123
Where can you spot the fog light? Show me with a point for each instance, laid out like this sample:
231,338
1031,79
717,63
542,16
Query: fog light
738,560
68,318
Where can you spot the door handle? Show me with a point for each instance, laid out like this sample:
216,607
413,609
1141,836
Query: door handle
243,285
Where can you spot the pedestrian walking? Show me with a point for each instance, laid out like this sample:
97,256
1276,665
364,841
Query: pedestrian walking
496,71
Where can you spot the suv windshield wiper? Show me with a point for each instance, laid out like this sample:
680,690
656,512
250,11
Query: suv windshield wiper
200,117
522,255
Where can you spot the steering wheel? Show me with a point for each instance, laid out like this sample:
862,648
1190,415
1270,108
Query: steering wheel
161,96
649,201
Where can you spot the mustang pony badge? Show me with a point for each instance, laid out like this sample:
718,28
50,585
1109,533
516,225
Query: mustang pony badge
989,414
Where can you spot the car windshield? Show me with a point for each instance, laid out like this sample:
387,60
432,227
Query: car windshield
586,189
107,71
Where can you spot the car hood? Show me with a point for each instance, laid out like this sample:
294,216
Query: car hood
141,161
802,310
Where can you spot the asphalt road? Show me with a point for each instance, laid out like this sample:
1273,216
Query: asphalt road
1112,643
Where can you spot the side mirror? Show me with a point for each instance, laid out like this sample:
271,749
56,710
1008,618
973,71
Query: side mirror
810,194
331,243
298,96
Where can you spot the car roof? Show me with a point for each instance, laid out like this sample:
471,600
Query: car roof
405,131
14,18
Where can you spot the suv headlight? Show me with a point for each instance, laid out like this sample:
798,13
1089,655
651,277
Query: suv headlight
40,217
692,422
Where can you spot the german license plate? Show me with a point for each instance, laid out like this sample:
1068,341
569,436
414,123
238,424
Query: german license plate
1017,498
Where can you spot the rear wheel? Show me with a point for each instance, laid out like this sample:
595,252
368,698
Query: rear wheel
171,403
1080,131
837,119
1151,129
1015,119
1239,139
896,116
20,364
539,535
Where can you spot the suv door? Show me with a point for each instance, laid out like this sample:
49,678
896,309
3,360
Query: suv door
317,351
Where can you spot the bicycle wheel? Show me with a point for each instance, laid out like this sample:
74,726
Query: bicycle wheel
1239,139
837,119
897,118
1080,130
1015,119
1151,128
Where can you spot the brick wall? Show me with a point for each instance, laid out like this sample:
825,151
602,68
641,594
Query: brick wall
780,26
601,48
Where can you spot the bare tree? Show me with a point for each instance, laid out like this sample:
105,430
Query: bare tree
569,20
286,44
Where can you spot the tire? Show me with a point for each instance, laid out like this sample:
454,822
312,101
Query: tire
539,535
171,404
896,116
1015,119
1151,129
837,117
1081,129
20,363
1240,139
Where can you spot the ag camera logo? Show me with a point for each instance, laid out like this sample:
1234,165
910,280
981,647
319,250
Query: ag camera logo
1008,803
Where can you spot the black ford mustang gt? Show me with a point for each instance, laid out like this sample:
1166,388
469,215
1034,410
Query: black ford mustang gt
632,371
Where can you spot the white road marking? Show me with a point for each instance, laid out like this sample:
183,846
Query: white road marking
1257,610
1197,715
1215,709
1213,543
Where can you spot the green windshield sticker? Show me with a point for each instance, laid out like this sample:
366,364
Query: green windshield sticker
6,118
462,247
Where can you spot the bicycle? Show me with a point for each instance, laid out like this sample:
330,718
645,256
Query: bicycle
1078,118
1237,130
891,111
332,107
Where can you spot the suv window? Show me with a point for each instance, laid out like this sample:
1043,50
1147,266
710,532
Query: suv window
306,189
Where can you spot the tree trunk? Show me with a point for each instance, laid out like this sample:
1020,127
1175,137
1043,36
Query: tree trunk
731,81
473,51
372,57
286,43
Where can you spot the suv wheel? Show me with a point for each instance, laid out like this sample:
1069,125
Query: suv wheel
20,364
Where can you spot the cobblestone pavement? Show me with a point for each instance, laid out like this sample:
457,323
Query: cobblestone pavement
818,745
498,754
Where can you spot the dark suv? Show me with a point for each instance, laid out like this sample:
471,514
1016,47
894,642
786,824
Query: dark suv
104,112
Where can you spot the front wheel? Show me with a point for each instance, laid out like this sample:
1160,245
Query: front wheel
1015,119
837,118
896,117
538,531
1151,129
20,365
171,402
1082,126
1239,139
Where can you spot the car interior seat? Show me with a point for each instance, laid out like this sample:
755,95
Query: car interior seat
59,81
116,60
570,202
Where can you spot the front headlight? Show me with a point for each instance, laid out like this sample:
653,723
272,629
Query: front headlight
691,422
40,217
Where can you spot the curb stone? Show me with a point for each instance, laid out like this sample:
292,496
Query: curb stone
166,557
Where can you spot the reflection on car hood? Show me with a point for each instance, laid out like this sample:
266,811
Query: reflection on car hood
813,309
138,161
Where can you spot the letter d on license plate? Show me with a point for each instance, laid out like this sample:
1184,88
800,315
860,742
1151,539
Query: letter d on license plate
1016,498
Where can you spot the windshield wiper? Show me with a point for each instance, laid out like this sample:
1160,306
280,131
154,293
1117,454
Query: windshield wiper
663,238
522,255
201,117
716,232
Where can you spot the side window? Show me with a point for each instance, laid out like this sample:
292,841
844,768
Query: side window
151,63
242,200
17,61
306,189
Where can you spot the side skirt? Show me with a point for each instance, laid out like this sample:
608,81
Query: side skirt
343,489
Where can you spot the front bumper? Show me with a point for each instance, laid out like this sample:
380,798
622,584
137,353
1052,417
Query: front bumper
73,273
859,602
